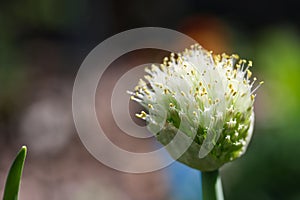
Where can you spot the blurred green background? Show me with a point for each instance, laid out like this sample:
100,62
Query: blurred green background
42,44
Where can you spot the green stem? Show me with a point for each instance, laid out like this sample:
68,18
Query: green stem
212,186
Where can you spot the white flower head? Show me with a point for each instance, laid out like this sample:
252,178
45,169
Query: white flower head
207,97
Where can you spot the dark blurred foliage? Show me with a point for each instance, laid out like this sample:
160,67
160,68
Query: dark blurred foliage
43,42
271,167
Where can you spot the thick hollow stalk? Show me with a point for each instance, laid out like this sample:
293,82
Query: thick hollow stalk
212,186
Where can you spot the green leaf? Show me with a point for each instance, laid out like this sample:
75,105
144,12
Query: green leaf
13,180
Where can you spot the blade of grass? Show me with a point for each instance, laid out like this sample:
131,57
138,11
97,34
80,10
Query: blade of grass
13,180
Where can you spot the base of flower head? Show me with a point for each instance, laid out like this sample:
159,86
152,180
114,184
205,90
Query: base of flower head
190,156
225,149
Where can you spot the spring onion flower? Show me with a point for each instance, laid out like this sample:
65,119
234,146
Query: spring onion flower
207,97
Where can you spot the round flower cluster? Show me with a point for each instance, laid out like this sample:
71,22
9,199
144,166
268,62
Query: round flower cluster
207,97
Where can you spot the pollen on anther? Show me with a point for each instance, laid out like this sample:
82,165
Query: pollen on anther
250,63
142,115
249,73
193,72
235,56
